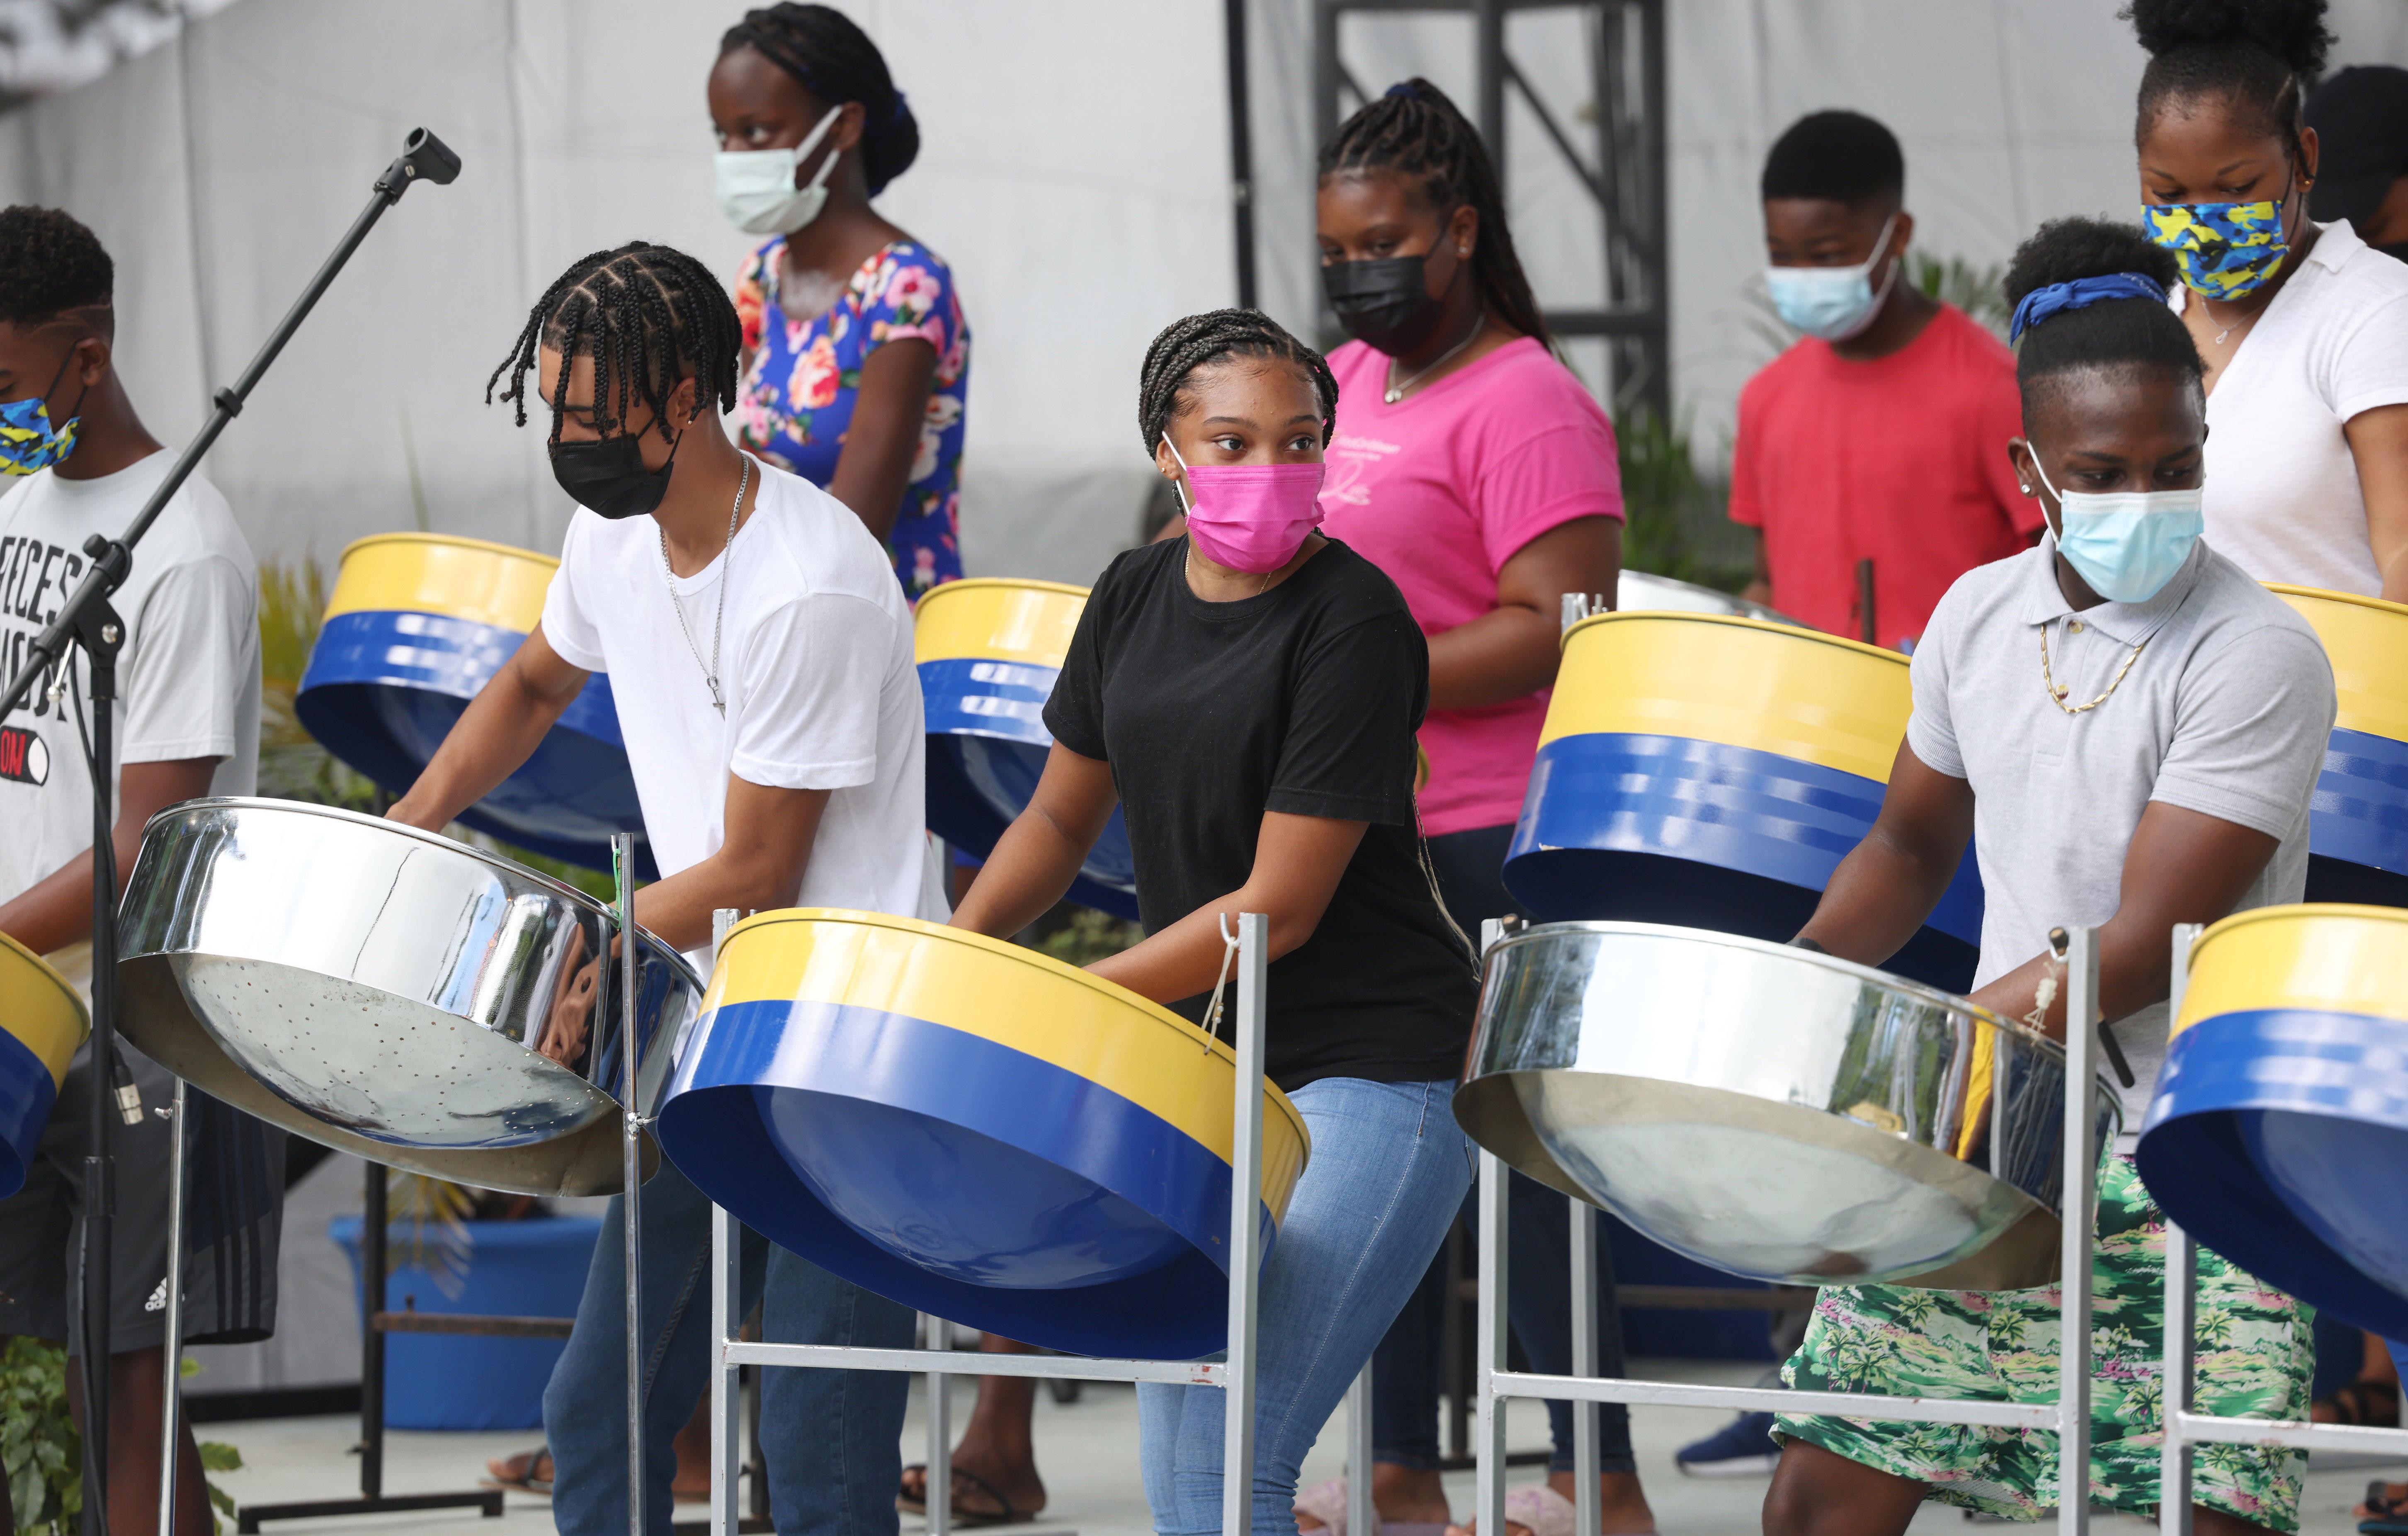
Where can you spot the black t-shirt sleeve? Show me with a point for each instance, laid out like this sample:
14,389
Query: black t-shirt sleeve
1074,711
1348,754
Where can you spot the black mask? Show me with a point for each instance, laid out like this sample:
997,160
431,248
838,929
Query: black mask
608,477
1385,303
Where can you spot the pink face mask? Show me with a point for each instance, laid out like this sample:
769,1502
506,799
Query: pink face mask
1250,517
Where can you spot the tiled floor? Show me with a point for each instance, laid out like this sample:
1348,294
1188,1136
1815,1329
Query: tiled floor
1087,1452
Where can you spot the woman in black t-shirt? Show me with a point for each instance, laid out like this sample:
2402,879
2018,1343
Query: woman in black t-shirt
1248,695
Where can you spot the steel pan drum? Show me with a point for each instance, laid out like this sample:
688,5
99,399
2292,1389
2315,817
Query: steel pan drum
973,1129
2357,822
391,993
1711,772
42,1024
1774,1112
1641,592
417,624
989,651
2279,1133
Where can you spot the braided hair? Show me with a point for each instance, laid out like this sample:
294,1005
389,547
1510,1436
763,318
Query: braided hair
648,316
836,62
2139,334
2259,55
1214,336
1415,131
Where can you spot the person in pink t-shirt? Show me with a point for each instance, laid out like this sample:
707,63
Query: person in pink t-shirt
1469,464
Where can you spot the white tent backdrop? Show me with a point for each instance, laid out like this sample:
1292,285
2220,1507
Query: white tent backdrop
1074,169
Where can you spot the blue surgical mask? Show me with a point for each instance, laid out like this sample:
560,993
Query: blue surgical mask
2125,545
1833,303
28,442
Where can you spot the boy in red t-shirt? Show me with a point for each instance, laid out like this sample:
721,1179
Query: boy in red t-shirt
1882,434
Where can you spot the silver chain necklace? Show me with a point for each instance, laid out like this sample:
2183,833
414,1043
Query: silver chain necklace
726,578
1396,391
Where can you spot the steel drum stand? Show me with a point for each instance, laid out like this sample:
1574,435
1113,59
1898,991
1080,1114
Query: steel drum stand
1236,1376
2185,1429
2068,1417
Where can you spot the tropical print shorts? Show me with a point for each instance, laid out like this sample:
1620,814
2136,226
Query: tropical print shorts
2255,1355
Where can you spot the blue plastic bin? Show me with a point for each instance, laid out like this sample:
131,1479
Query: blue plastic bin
517,1269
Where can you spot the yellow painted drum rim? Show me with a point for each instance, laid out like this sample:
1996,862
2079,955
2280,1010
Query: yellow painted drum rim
468,579
991,618
1164,1083
2309,955
2369,653
53,1023
1715,678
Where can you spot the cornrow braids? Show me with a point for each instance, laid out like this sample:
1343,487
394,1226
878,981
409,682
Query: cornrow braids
1415,130
836,62
1214,337
648,316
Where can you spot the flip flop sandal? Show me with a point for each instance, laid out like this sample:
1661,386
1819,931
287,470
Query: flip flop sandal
1004,1513
1326,1503
517,1473
1540,1511
2385,1516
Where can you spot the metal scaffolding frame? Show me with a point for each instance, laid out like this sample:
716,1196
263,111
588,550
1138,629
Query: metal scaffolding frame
1623,169
1235,1376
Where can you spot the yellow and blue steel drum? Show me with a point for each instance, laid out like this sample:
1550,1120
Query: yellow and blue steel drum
2279,1133
417,624
989,651
973,1129
42,1024
1711,772
2357,822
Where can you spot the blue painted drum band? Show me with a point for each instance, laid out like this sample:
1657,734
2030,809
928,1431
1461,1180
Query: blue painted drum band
1009,1194
2359,813
998,699
2274,1139
1735,808
26,1095
429,651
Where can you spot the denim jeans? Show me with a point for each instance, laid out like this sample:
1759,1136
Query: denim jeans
831,1437
1387,1171
1470,866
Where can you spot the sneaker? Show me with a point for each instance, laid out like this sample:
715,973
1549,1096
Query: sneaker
1744,1447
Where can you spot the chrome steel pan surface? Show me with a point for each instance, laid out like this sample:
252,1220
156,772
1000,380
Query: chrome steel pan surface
1639,592
1771,1111
392,993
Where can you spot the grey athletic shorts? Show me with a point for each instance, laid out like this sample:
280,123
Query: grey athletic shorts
234,1209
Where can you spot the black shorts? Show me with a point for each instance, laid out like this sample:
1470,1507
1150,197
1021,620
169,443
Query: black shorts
234,1211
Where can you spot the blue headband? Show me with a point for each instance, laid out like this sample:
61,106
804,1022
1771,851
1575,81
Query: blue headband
2082,293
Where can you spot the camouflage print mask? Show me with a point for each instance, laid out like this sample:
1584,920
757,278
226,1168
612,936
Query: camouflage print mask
2226,249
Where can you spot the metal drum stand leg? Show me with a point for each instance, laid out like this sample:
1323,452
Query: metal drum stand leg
2068,1417
1235,1376
2187,1430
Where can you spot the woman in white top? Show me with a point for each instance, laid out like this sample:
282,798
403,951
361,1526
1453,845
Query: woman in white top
2303,326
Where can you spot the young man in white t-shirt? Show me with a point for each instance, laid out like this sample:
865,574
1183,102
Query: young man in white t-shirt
187,725
760,656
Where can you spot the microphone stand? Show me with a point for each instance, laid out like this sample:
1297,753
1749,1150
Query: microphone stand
87,621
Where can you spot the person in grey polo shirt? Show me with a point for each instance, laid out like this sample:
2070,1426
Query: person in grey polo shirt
2128,729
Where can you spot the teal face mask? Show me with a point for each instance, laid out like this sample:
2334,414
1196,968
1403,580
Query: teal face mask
2125,545
1831,302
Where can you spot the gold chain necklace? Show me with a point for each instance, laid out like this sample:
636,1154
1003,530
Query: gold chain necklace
2057,695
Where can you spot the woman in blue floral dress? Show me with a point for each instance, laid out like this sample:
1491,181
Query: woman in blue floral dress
856,354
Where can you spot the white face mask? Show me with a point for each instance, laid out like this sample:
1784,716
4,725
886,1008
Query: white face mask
756,187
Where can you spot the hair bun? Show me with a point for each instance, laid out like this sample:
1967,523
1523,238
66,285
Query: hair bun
2293,30
889,143
2065,249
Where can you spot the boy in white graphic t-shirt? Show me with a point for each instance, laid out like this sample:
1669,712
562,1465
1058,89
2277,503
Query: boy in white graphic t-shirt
187,725
759,657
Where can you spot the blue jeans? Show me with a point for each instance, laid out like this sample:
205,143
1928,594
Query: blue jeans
1387,1171
831,1437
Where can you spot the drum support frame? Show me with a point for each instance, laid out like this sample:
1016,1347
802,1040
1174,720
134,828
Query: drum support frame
2068,1417
1235,1376
2186,1430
